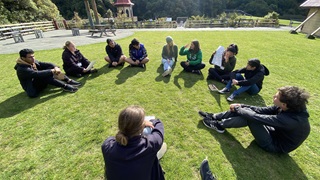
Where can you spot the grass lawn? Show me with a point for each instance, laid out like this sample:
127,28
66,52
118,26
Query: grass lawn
59,134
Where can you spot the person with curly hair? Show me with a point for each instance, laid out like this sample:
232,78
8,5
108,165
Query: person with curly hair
280,128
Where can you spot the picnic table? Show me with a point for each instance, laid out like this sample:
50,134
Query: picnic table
103,29
12,31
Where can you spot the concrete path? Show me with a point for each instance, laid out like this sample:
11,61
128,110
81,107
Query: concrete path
57,38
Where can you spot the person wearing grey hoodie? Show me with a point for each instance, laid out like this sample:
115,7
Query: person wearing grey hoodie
34,76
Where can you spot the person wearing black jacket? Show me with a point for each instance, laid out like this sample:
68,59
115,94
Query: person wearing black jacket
131,154
115,55
34,76
74,63
251,83
280,128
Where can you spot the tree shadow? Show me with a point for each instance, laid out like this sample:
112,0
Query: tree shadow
250,162
160,71
189,79
128,72
21,102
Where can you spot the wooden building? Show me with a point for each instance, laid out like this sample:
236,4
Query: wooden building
312,23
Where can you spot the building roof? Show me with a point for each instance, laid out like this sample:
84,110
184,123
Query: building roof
310,3
123,2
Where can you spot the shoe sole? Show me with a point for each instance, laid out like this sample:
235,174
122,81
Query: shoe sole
75,85
166,73
230,100
214,128
162,150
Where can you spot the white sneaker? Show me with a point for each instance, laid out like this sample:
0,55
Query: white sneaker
162,151
167,72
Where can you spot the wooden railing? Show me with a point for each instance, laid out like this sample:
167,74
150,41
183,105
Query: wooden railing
7,30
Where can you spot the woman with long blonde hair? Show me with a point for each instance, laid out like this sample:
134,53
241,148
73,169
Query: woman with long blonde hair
169,56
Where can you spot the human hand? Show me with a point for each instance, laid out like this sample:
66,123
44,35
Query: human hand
114,63
187,45
187,63
148,124
233,106
234,82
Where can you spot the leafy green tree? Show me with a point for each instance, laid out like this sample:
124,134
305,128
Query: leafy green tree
27,11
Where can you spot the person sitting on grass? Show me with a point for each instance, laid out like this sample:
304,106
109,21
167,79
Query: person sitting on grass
74,63
138,54
169,56
115,56
34,76
251,83
130,150
194,57
228,63
279,129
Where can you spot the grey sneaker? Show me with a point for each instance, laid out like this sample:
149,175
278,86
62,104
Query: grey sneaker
205,171
167,72
212,124
224,90
70,88
231,97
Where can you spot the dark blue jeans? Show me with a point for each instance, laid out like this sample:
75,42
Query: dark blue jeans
252,89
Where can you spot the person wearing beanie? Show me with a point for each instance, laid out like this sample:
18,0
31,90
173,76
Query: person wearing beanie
169,56
222,74
252,81
115,55
138,55
194,57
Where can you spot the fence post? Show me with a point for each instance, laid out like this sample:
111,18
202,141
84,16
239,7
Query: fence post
55,24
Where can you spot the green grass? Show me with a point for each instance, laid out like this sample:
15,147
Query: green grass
58,135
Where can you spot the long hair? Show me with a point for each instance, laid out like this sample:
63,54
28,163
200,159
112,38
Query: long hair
170,49
130,123
295,98
196,47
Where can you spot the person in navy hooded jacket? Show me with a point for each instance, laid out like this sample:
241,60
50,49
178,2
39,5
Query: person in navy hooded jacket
137,54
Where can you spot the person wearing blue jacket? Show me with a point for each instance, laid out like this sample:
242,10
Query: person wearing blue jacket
138,55
280,128
252,81
131,154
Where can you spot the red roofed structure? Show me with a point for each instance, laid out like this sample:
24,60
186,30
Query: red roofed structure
124,6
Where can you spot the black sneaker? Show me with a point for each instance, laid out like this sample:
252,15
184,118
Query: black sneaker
93,70
110,65
142,65
205,171
197,72
70,88
74,83
212,124
224,90
206,115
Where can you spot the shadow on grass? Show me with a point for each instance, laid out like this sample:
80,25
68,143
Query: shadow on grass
252,162
128,72
21,102
189,79
160,70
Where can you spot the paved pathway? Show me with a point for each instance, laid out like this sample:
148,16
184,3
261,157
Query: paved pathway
57,38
